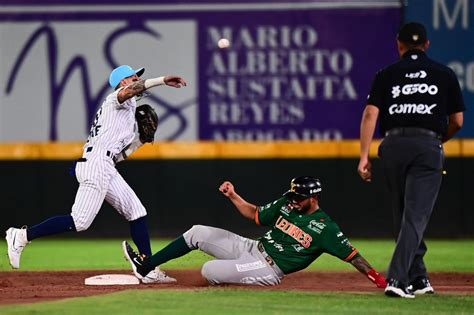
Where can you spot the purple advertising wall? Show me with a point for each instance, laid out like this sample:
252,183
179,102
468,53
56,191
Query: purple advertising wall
294,70
299,75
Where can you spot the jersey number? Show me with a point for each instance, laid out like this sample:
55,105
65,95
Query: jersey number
95,127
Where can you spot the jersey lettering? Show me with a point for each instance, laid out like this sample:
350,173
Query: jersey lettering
95,127
409,89
295,232
422,109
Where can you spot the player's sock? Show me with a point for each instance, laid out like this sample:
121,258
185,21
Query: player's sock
53,225
175,249
140,236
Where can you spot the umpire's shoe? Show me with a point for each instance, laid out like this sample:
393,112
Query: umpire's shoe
141,268
397,289
421,286
16,242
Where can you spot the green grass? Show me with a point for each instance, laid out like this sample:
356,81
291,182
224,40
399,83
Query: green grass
235,301
79,254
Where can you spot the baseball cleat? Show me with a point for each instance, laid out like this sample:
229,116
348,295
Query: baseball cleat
141,268
135,260
16,242
157,276
396,289
421,286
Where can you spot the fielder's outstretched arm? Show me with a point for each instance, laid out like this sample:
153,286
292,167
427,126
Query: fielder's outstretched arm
365,268
141,85
245,208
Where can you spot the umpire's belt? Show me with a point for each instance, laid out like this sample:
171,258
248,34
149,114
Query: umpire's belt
265,254
412,131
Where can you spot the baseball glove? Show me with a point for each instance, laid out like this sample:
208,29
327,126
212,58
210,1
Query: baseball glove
147,121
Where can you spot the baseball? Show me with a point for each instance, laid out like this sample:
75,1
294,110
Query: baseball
223,43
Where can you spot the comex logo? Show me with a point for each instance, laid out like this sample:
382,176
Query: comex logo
420,74
410,89
422,109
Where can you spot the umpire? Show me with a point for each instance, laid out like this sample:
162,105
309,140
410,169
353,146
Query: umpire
420,105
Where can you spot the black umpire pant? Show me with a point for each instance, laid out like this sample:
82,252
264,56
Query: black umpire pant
413,167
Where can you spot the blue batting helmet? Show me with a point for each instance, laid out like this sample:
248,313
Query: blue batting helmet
123,72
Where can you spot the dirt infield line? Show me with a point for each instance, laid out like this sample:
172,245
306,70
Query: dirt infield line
29,287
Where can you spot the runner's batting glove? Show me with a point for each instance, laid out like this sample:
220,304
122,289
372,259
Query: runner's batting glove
377,278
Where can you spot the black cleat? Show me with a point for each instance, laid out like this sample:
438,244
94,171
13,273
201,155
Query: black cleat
397,289
138,262
421,286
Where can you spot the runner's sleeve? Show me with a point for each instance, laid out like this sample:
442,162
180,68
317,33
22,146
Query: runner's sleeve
268,214
337,244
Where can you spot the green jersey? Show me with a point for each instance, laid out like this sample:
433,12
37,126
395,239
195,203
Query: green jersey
296,240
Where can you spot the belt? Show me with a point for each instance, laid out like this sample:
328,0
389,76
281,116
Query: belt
412,131
265,254
107,153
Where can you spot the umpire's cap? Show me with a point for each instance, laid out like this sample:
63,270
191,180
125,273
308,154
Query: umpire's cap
304,187
412,33
123,72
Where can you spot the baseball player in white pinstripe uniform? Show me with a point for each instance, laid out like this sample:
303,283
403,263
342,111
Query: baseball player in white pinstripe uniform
112,138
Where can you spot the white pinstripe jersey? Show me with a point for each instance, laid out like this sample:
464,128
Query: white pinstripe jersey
114,125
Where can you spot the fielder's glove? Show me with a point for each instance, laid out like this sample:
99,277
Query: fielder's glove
147,121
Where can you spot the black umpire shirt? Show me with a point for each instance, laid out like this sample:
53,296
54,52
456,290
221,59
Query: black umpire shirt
416,92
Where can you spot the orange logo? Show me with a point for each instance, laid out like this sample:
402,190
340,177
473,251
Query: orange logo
295,232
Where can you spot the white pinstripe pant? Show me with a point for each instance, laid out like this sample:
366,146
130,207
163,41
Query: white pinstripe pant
98,180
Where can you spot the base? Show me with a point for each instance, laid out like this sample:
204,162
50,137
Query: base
112,280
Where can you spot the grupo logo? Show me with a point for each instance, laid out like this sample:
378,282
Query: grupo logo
422,109
410,89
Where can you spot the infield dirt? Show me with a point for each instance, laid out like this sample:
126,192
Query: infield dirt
28,287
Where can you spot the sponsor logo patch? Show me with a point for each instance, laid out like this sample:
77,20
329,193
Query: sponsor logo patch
422,109
298,247
420,74
409,89
285,210
254,265
316,226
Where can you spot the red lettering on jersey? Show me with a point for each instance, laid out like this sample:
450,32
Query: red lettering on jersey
281,223
278,220
294,232
307,241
